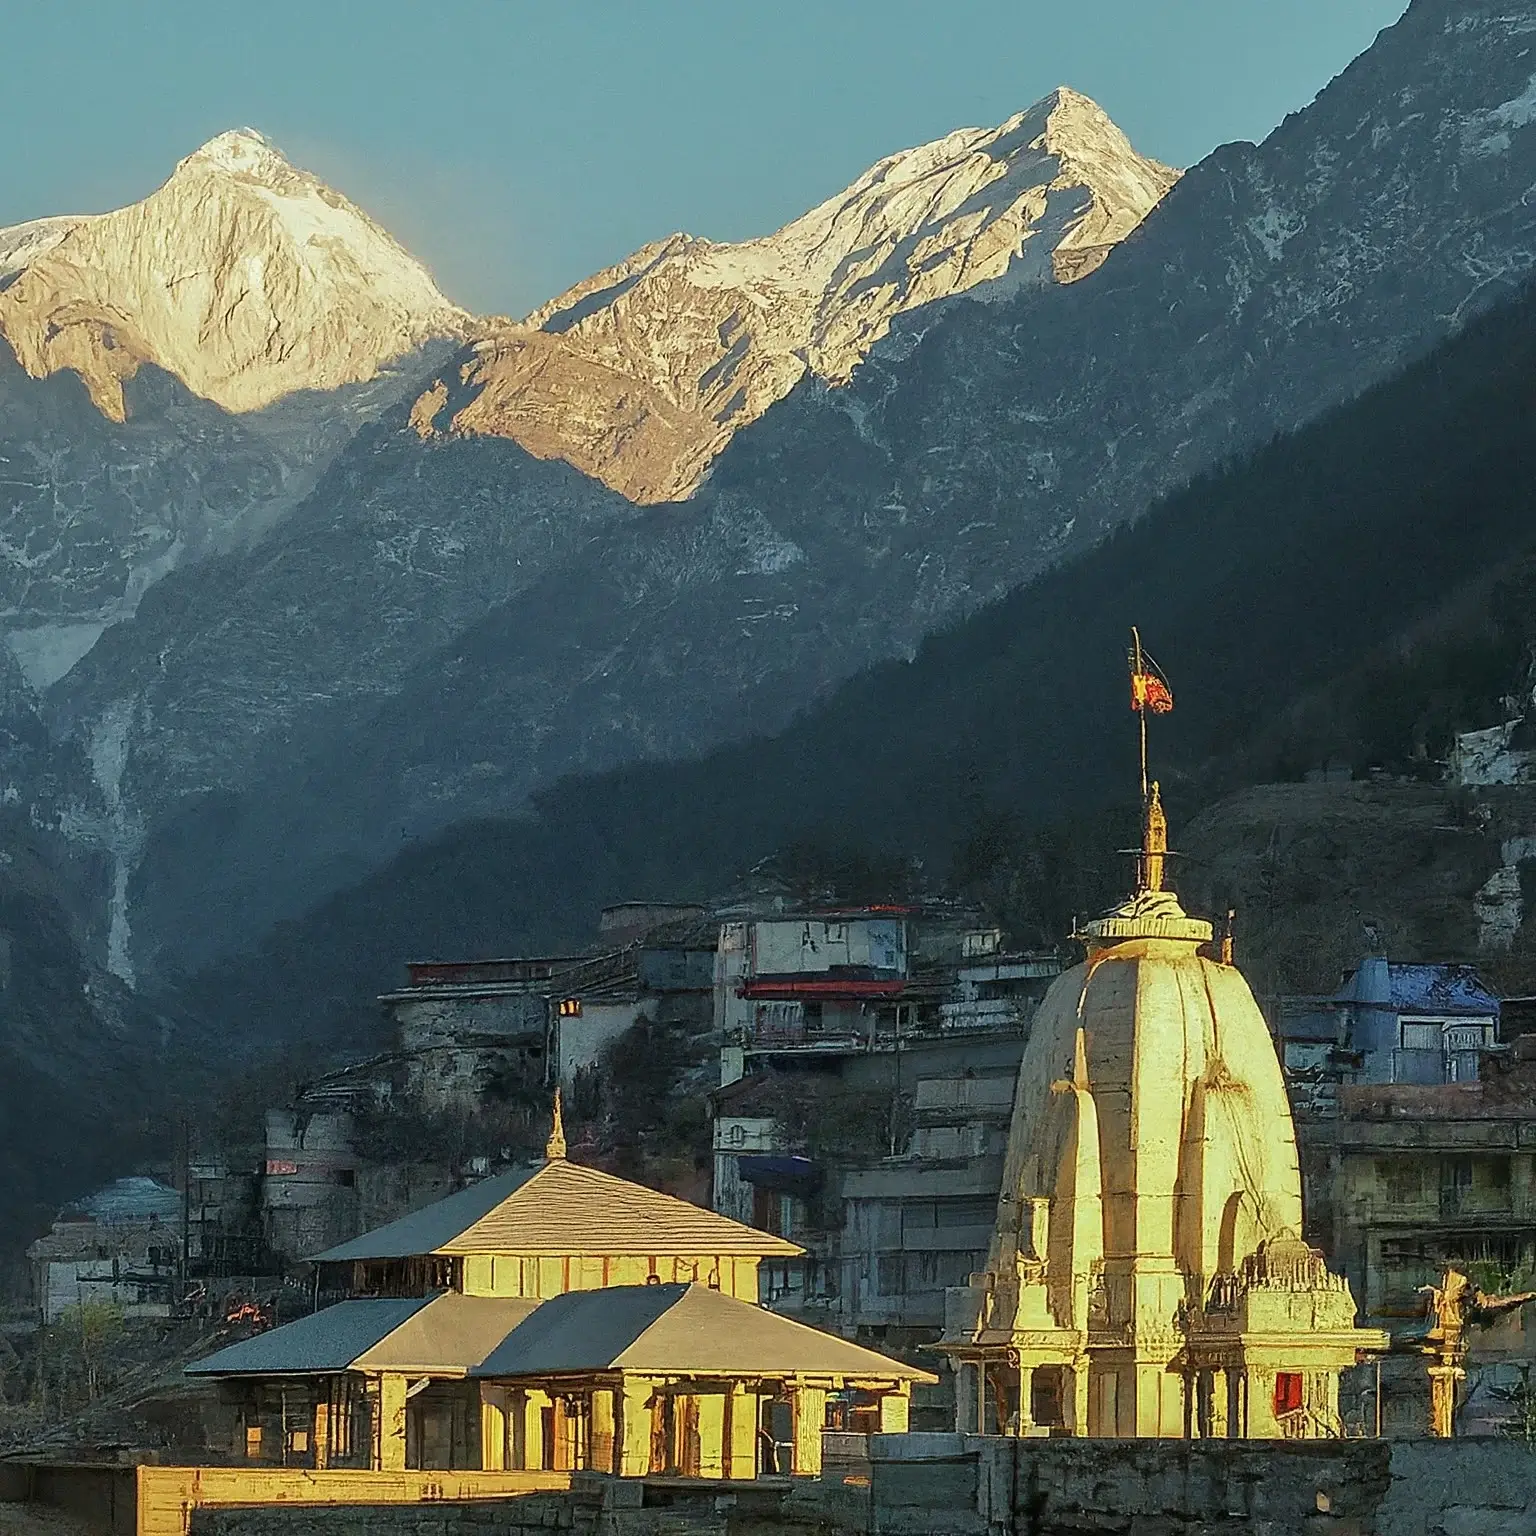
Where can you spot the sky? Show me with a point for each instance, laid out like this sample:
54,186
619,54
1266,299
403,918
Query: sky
518,145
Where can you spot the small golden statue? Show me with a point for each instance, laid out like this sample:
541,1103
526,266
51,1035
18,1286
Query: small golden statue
1456,1304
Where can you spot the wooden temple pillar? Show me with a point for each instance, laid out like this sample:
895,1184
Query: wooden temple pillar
808,1416
493,1428
320,1429
710,1420
389,1435
742,1407
601,1441
634,1428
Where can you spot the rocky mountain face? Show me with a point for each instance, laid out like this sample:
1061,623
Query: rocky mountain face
643,373
270,731
176,374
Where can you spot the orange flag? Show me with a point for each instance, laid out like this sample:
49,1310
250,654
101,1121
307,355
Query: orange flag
1150,692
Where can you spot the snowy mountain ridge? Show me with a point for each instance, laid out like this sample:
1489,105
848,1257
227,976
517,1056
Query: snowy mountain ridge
641,374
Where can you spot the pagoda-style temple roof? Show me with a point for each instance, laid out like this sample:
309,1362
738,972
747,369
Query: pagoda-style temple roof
440,1335
679,1330
561,1207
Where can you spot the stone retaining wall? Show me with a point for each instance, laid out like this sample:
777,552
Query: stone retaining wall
949,1485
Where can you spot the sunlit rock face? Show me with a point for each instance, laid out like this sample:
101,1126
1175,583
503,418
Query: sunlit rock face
642,373
1147,1264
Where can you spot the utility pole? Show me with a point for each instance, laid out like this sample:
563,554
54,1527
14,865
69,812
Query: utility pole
186,1201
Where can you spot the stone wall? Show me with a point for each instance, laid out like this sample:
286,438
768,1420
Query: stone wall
948,1485
595,1506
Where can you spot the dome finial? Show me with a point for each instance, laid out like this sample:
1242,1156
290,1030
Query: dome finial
1154,842
554,1148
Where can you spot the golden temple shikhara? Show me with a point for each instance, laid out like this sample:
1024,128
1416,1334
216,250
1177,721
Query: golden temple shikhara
1147,1275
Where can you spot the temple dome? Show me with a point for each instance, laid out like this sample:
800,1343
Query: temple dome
1150,1213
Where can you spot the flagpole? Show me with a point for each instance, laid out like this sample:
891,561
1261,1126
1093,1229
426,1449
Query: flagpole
1141,713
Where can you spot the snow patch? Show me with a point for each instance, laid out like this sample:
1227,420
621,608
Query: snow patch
1488,133
46,653
123,837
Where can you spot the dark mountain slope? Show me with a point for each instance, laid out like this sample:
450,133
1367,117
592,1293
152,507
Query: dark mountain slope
86,1068
971,451
1310,566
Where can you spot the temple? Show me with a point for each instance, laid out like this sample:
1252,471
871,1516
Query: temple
1147,1275
553,1318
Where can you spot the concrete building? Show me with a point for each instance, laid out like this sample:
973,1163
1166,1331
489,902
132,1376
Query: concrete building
120,1247
1403,1180
1389,1022
864,1106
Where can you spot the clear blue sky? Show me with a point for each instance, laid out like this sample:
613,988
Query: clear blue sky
516,145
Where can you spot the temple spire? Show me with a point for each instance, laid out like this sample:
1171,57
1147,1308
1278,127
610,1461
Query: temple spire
1154,842
554,1148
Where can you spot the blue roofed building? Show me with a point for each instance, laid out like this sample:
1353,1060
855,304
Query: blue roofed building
1389,1022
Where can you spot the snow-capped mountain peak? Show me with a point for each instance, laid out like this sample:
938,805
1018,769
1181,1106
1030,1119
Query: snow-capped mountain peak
246,277
642,374
240,151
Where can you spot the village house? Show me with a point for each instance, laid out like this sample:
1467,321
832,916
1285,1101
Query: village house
468,1035
1389,1022
1405,1179
120,1247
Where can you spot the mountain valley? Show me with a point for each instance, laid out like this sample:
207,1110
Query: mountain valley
342,624
961,459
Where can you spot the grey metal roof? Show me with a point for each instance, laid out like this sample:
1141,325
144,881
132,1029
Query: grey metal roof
427,1230
570,1333
325,1341
679,1330
132,1200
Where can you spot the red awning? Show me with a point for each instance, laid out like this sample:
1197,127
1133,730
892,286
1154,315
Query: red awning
784,987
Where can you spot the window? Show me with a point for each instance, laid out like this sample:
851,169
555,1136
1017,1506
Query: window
1493,1173
971,1211
1287,1391
737,1135
1421,1037
570,1007
1402,1179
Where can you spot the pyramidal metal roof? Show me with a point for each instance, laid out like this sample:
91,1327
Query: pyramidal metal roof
562,1208
679,1330
426,1230
439,1335
324,1342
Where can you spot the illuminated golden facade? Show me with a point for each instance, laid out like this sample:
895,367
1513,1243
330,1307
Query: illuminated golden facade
1147,1275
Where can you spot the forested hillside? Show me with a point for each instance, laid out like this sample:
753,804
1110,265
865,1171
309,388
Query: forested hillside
1354,591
